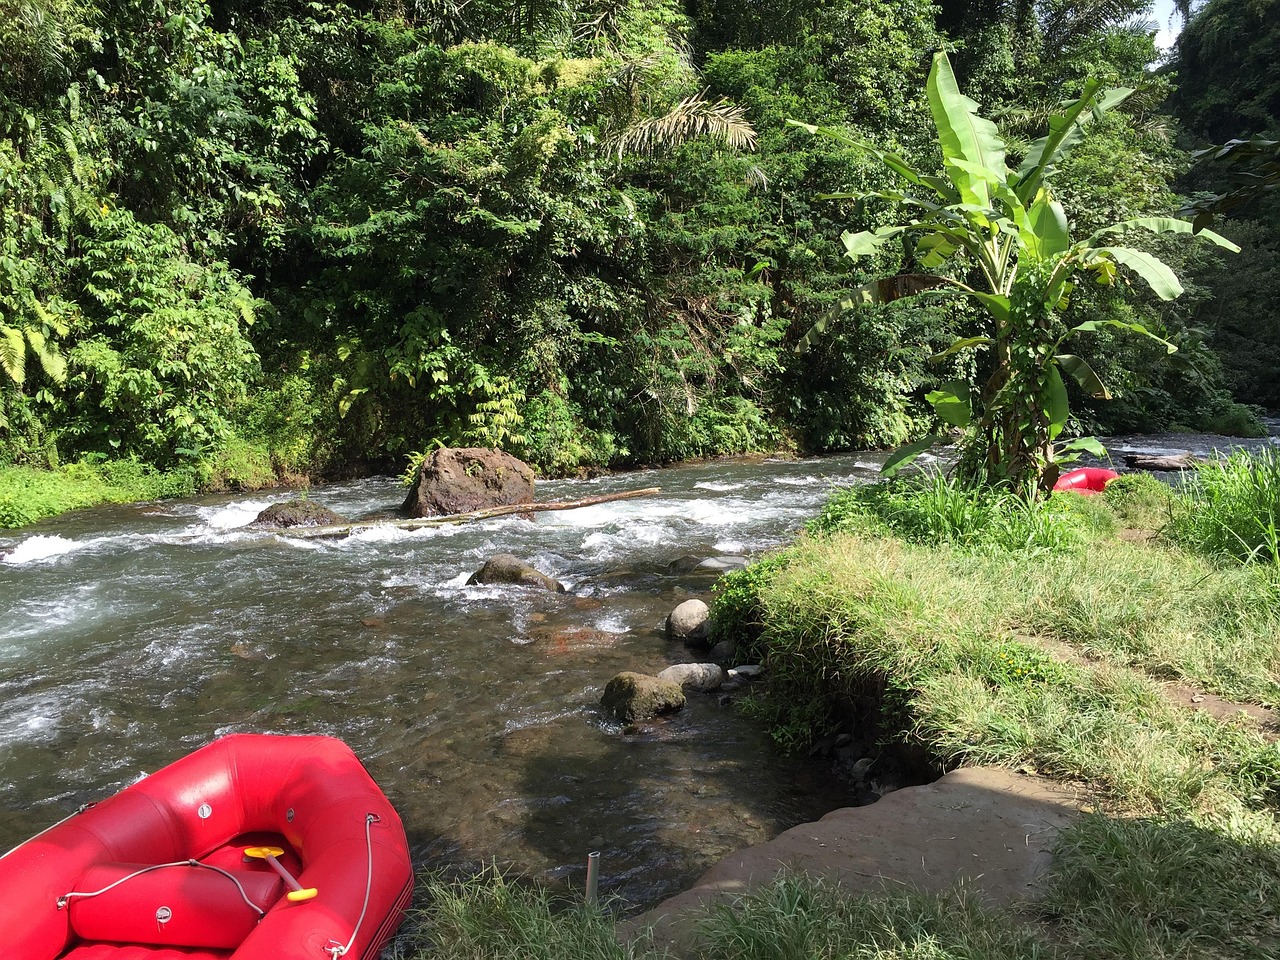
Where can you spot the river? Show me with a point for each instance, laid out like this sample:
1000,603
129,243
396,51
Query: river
131,635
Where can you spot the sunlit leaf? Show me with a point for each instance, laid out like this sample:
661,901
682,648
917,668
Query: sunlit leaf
951,402
1083,374
905,455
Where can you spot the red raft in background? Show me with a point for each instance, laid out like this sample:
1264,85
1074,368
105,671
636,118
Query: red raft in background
1086,480
255,847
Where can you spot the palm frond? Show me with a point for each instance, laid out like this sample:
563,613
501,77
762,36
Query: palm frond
13,353
691,118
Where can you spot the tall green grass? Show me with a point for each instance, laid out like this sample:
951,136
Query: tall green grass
1232,508
1208,886
493,917
936,509
803,918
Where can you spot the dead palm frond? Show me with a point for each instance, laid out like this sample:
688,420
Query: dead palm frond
691,118
600,21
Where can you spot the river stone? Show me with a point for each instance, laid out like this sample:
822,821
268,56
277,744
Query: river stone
505,568
723,652
463,479
296,513
748,671
690,622
703,677
629,697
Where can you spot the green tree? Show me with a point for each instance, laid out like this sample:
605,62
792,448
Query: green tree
1012,240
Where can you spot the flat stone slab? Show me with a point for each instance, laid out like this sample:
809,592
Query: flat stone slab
989,828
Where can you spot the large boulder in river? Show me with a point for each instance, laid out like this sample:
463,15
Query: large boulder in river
296,513
629,697
505,568
463,479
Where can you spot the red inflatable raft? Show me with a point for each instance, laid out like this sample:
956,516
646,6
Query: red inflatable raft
1085,480
254,848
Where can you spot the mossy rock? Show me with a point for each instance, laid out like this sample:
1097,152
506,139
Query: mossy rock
637,696
297,513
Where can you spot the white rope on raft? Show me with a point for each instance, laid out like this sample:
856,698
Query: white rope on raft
66,897
335,949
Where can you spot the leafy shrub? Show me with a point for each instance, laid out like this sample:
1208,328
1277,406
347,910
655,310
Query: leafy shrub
161,358
556,442
1011,664
1232,508
737,613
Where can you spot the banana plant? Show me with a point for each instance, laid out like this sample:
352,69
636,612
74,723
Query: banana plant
1003,240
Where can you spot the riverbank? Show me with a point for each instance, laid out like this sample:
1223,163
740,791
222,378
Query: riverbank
1079,646
30,494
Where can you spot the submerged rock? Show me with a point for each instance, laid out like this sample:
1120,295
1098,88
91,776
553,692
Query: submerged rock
463,479
297,513
694,676
690,622
629,697
505,568
724,564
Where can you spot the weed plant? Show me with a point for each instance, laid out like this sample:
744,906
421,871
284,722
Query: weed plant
1232,509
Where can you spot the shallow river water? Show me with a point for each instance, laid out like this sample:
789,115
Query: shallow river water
131,635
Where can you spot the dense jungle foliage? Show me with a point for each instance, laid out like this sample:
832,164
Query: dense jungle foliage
290,237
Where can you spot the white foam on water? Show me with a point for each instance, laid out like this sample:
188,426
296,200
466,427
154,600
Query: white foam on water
614,623
38,617
298,543
231,515
715,487
42,547
380,533
731,547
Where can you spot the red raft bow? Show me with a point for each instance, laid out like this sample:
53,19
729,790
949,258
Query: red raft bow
1085,480
255,847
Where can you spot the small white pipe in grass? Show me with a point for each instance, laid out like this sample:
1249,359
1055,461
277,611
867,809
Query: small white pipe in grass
593,875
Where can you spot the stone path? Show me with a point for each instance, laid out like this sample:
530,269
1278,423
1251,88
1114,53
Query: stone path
987,828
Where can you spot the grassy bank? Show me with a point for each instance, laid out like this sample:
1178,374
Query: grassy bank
1042,638
29,494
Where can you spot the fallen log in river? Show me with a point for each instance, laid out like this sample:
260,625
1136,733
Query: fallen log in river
339,530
